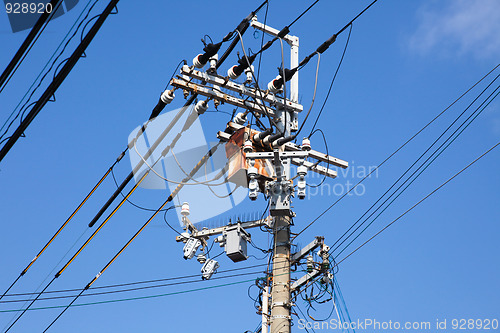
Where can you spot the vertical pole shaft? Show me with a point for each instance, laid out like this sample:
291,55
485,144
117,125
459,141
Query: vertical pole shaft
294,62
280,292
265,310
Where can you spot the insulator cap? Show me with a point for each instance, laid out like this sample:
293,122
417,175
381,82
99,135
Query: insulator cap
197,61
248,146
240,118
201,107
252,171
167,96
306,144
185,209
302,170
274,86
233,72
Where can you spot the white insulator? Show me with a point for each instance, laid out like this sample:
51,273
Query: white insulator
310,263
253,189
231,73
248,146
185,209
240,118
213,61
248,72
196,61
201,107
302,170
201,258
271,85
167,96
306,144
252,172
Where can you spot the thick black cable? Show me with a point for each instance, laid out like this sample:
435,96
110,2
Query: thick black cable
305,11
241,28
25,106
52,88
323,47
28,43
331,84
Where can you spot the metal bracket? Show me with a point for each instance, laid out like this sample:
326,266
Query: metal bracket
241,89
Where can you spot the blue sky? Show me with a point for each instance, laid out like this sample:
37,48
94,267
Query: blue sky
406,61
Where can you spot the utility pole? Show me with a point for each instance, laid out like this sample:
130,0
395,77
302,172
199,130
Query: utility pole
280,284
264,161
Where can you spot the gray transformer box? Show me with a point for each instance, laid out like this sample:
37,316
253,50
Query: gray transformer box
236,243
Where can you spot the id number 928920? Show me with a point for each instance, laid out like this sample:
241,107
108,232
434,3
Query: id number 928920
474,324
27,7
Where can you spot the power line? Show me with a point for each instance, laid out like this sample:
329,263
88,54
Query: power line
464,124
169,199
242,27
331,84
475,114
28,43
418,203
25,105
396,151
58,80
64,224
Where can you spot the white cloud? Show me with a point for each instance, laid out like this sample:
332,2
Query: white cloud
459,27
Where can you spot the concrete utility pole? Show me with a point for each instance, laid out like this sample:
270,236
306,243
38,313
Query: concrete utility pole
280,286
264,164
280,289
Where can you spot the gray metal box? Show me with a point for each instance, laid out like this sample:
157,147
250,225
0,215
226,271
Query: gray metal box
236,243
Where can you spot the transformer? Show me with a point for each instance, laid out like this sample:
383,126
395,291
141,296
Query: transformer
238,166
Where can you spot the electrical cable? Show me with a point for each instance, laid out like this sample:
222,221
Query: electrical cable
327,165
312,101
242,27
421,165
100,293
28,43
439,151
169,199
54,85
128,200
331,84
262,41
418,203
134,298
396,151
24,107
165,219
46,278
263,107
132,283
64,224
